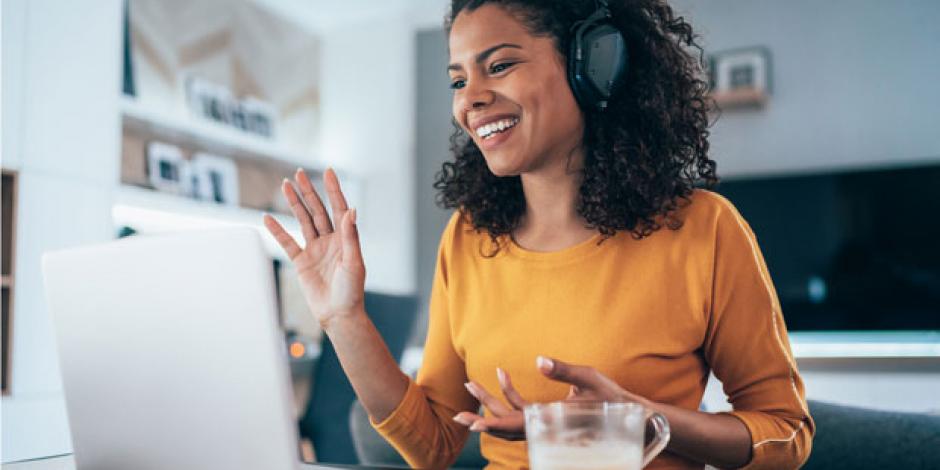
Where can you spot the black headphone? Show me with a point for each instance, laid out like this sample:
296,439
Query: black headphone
597,60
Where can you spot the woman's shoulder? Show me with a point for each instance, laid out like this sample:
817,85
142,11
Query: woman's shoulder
459,231
706,210
713,216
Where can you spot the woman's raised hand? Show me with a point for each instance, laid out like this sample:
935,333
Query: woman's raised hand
330,267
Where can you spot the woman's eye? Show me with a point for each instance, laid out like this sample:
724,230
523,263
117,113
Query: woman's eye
497,68
457,84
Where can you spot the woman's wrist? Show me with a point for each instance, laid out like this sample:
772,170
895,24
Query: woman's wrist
632,397
339,320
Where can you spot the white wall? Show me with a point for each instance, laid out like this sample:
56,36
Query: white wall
854,83
368,129
65,128
14,22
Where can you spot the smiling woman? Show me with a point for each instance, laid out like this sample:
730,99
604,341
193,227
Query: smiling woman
639,158
581,132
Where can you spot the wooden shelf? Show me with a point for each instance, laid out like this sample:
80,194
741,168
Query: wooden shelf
743,98
209,136
148,211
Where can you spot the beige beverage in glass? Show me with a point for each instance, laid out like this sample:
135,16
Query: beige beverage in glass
592,435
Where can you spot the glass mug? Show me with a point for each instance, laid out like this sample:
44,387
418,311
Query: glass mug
592,435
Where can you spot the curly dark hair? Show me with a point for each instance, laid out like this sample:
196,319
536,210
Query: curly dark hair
644,154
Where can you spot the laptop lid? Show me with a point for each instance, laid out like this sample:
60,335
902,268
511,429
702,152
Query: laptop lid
171,354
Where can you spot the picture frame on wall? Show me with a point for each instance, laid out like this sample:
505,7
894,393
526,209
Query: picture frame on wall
218,104
741,78
214,179
167,168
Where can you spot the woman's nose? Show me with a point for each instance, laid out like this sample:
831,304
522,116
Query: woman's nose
477,96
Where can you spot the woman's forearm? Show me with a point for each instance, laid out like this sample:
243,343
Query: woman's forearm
372,371
718,440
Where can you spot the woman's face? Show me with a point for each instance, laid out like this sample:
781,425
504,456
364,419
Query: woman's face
511,93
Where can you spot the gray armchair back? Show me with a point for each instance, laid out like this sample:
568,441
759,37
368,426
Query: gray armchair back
857,438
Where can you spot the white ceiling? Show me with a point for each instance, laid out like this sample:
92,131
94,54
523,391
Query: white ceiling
322,16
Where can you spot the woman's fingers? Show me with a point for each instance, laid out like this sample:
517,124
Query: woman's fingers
506,427
510,427
335,193
283,238
467,418
489,401
512,396
582,377
587,383
352,250
321,219
299,210
511,424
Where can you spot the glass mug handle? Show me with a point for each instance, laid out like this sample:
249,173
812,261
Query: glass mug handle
660,439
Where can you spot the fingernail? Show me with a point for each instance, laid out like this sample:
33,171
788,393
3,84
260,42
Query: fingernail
461,420
545,364
477,426
501,376
470,389
352,215
300,170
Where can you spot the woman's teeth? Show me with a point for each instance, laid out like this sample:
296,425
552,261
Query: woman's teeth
489,130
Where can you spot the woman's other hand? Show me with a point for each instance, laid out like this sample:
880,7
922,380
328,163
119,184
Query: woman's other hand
587,384
329,266
508,422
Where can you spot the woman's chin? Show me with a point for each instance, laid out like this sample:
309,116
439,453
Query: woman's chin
500,168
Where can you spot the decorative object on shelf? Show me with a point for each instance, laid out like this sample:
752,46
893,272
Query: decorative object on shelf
740,78
214,179
216,103
168,170
259,116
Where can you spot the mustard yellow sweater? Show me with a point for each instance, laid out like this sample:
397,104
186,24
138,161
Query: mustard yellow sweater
655,315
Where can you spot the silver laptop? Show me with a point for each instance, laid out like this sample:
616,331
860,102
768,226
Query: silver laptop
171,353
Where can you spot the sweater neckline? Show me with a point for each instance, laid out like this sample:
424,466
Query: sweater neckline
570,253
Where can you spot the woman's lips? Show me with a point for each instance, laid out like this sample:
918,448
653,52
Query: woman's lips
497,139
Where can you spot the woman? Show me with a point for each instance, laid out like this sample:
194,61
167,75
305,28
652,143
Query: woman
580,263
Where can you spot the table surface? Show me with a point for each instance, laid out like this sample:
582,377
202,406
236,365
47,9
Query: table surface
66,462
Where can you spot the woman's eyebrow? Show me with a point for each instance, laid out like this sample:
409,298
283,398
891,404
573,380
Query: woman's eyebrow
485,54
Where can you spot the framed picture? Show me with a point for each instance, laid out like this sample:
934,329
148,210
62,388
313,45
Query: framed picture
258,116
217,103
215,179
167,170
741,77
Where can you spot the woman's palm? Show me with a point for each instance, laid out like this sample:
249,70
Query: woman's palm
330,266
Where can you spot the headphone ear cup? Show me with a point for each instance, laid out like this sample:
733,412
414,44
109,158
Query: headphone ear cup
598,61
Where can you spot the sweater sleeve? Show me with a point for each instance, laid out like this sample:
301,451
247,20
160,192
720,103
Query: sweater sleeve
422,428
749,351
